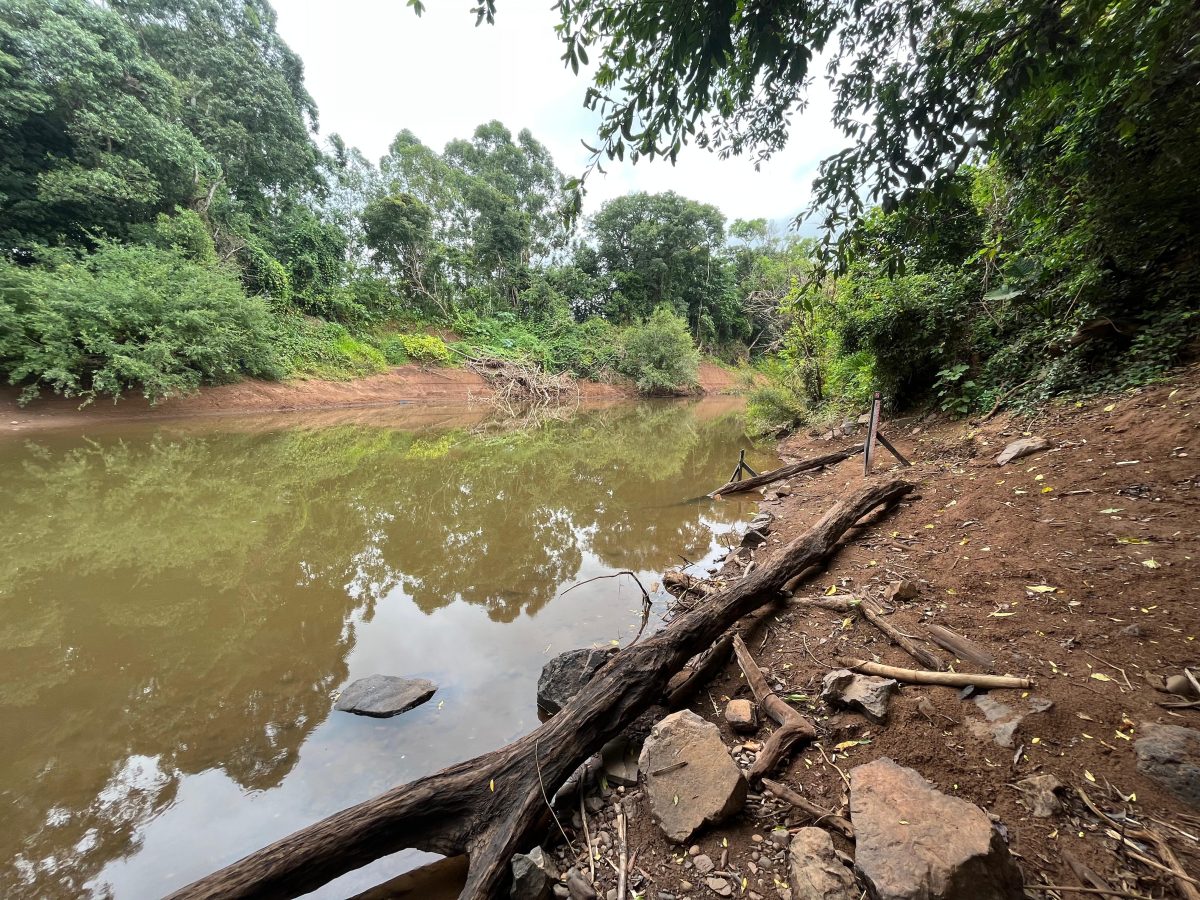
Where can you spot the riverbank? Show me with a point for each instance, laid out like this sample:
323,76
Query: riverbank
408,385
1073,566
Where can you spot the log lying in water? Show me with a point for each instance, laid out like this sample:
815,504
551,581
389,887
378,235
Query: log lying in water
490,807
805,465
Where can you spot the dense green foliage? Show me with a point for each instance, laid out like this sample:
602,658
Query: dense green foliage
1012,213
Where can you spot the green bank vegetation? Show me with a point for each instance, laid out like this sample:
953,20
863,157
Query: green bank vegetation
1012,217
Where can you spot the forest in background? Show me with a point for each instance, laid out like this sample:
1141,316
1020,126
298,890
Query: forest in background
1013,217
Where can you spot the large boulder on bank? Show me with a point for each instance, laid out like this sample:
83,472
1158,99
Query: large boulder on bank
382,696
565,675
1023,447
691,780
814,869
912,842
1170,754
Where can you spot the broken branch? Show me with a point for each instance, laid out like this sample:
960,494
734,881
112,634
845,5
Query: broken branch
950,679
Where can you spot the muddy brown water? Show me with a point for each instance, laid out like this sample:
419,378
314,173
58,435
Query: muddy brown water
182,603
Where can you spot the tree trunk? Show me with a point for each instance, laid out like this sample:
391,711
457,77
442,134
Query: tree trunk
489,807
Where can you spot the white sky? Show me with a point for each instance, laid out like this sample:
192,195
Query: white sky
375,68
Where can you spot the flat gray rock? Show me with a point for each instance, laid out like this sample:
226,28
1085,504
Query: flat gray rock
912,842
867,694
814,869
1170,754
384,695
691,780
1023,447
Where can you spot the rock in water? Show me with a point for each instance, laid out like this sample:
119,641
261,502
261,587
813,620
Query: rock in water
1170,754
384,695
704,791
814,869
865,693
533,876
1023,447
565,675
915,843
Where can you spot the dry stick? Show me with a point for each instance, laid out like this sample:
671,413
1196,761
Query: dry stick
1186,885
622,852
587,837
1123,835
793,727
1084,873
867,610
491,807
817,462
950,679
960,646
1083,890
821,816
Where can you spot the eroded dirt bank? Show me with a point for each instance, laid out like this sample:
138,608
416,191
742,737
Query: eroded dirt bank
1074,566
411,384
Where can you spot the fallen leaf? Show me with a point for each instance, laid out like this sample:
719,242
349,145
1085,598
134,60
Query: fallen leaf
1040,588
1110,407
492,785
1131,540
1114,509
1150,564
1100,676
1089,776
846,745
1000,615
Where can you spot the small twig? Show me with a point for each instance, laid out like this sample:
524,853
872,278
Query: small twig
622,852
542,784
1086,890
665,769
587,836
646,602
835,765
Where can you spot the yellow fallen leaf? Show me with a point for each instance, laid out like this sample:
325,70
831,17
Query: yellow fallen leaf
1100,676
1047,489
1040,588
847,622
1089,776
1150,564
1001,615
1131,540
1110,407
846,745
832,590
492,785
1123,736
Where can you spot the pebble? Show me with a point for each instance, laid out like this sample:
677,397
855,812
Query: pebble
757,838
685,885
694,850
780,837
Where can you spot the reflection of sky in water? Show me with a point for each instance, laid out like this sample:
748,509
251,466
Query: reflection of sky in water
238,758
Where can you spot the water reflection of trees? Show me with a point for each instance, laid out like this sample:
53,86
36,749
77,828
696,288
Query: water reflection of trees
175,603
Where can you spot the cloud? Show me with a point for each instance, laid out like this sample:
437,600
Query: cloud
375,68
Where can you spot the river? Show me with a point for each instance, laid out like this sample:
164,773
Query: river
183,602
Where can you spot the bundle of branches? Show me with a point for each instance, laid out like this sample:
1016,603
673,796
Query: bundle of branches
518,387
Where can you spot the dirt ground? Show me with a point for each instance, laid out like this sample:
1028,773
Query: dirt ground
1107,518
411,384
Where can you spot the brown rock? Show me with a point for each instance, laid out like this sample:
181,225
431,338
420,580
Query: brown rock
741,716
815,871
1041,794
915,843
1170,754
708,789
901,591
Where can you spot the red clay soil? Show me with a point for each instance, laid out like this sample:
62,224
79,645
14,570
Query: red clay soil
401,385
1107,518
409,384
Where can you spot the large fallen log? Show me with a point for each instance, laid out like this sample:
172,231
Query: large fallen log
805,465
490,807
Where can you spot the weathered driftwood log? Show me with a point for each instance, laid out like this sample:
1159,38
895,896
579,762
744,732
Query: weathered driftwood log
868,611
960,646
805,465
489,807
793,727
